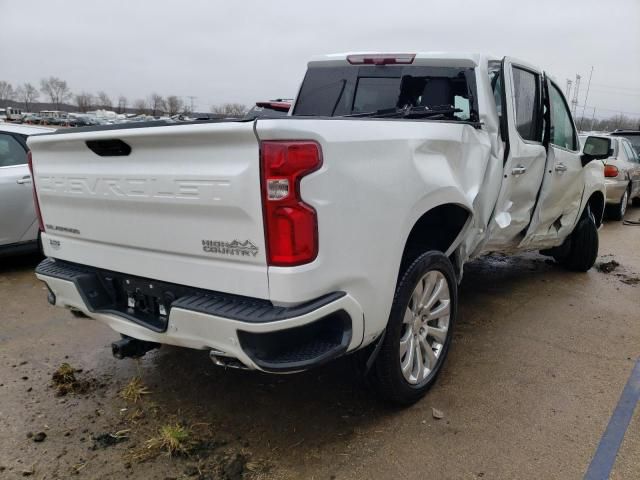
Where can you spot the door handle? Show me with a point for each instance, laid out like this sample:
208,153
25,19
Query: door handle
518,170
23,180
561,167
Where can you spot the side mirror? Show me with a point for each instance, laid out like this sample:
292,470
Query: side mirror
596,148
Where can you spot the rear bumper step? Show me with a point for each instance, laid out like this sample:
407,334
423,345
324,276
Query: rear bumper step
254,331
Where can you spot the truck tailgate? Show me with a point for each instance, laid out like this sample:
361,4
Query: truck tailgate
184,206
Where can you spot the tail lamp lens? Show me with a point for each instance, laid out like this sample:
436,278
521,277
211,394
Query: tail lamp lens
610,171
291,226
35,195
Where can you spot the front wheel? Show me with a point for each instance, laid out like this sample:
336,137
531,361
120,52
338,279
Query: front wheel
580,250
419,330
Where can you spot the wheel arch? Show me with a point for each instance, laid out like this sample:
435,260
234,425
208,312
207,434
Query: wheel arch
596,203
440,228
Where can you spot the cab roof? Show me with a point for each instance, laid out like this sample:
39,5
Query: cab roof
435,59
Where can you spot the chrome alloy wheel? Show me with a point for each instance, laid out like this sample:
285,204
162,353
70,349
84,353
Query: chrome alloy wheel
425,327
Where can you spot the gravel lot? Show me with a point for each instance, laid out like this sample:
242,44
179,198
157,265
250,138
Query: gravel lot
540,357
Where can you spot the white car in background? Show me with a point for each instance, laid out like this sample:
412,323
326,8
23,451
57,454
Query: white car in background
18,218
621,171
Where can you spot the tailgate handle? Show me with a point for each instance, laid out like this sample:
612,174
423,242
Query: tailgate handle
112,147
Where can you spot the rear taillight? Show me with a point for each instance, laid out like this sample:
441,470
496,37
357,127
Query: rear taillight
35,195
610,171
290,225
382,59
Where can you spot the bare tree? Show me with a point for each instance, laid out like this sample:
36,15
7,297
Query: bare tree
156,104
230,109
104,101
608,124
122,104
84,101
6,91
27,94
174,104
140,106
56,89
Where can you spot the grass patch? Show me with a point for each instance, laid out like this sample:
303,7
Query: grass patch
134,390
65,381
172,440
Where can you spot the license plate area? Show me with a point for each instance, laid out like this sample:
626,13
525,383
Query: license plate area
143,301
147,301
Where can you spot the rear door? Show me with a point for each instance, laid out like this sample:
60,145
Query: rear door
519,87
559,202
633,166
17,212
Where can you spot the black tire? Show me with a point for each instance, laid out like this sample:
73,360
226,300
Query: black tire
386,376
40,246
580,250
617,211
636,202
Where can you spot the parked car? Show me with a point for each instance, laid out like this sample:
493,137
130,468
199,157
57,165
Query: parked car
279,244
632,135
18,222
31,119
621,171
10,114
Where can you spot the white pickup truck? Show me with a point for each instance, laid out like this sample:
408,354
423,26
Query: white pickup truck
279,244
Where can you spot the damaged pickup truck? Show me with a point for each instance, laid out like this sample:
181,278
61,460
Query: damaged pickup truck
279,244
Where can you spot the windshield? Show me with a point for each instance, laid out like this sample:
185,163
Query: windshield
359,90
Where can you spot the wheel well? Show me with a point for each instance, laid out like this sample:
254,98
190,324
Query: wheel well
596,204
435,230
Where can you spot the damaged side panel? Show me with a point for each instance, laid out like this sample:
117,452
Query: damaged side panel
399,170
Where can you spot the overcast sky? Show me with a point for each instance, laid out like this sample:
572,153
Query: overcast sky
245,51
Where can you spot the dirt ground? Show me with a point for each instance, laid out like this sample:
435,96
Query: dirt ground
539,359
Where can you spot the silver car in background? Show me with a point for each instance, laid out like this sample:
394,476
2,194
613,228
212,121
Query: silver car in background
621,171
18,221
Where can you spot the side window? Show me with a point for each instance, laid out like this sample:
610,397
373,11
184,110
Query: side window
527,98
11,152
631,153
563,133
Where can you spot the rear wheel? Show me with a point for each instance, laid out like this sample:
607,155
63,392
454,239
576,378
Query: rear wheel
616,212
580,250
636,202
40,247
419,330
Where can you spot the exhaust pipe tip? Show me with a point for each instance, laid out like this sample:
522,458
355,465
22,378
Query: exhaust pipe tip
222,359
128,347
